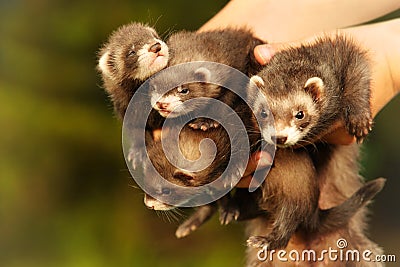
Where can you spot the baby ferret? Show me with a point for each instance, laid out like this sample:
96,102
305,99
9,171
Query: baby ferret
232,47
181,172
299,92
290,196
132,54
311,87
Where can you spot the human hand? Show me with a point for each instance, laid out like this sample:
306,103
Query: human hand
258,160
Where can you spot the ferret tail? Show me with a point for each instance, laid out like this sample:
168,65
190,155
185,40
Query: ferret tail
339,216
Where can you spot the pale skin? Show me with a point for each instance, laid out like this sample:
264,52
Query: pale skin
289,23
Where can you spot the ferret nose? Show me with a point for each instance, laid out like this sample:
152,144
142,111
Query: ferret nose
162,105
155,48
280,140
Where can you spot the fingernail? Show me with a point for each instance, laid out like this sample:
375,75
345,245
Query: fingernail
264,53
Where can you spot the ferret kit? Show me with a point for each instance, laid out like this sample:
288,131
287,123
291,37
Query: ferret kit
313,191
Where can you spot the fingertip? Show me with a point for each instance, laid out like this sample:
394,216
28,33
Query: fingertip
263,53
339,136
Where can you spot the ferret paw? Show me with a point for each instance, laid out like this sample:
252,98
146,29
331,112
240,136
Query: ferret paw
269,241
359,125
135,157
203,124
229,213
187,227
257,241
200,216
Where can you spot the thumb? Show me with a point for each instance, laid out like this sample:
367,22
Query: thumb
263,53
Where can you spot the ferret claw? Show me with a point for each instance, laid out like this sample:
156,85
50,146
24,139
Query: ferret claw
201,215
135,157
257,241
359,125
229,214
185,230
203,124
272,242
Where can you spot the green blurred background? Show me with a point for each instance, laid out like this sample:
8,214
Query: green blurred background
66,197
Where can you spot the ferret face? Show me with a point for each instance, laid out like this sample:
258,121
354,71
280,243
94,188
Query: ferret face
135,52
201,162
161,190
294,113
172,104
181,177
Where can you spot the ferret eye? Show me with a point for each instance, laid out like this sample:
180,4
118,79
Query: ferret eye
264,114
166,191
131,53
299,115
183,90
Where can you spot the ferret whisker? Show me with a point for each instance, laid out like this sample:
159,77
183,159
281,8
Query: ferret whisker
306,144
166,215
160,214
180,213
155,23
134,186
168,32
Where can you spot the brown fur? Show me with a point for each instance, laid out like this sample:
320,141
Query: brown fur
232,47
327,81
337,170
241,206
121,66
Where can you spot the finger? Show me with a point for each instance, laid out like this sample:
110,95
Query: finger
258,160
339,136
244,182
264,53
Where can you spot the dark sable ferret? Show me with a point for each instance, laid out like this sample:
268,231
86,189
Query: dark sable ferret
290,197
189,143
232,47
132,54
337,169
307,89
241,206
313,86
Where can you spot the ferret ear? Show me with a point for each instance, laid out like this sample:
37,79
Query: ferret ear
202,74
257,80
184,176
103,64
314,86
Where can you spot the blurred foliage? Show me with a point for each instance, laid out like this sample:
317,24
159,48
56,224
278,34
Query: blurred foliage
65,194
